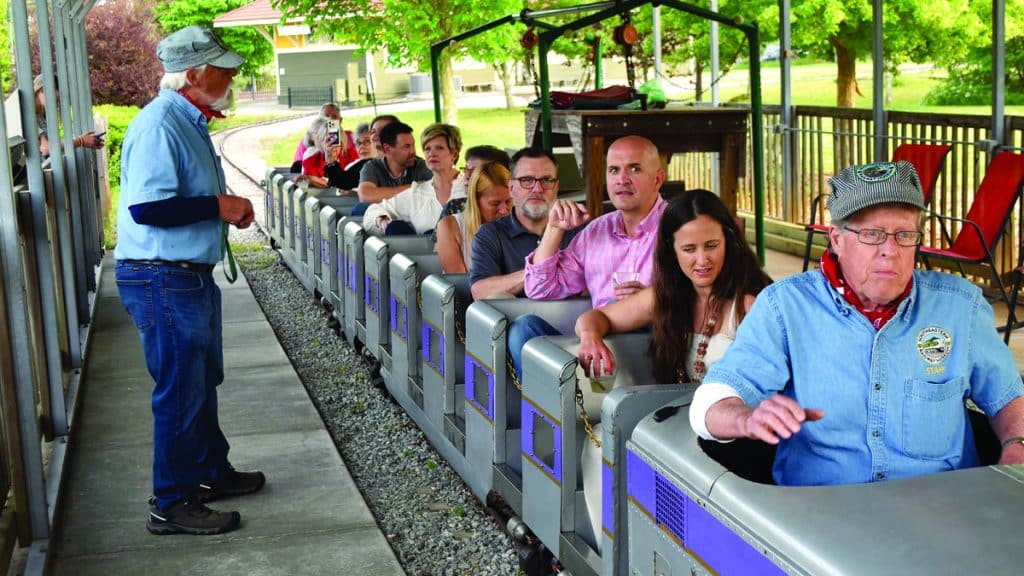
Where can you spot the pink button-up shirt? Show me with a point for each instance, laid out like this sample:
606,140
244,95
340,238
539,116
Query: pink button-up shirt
601,248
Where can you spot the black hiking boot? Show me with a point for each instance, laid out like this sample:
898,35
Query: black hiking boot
190,517
234,484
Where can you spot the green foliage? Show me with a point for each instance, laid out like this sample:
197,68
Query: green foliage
970,65
118,118
914,30
407,28
176,14
5,47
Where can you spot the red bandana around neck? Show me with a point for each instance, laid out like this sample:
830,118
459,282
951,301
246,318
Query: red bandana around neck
207,112
878,318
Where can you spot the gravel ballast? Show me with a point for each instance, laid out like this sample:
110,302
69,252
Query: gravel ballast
429,516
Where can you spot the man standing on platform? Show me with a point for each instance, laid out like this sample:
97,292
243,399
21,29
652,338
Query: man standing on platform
172,225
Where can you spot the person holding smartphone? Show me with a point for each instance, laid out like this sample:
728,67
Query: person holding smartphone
87,139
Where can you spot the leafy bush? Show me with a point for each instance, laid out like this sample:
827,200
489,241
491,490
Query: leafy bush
971,82
121,38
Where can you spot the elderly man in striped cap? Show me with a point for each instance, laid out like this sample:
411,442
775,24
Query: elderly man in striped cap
859,371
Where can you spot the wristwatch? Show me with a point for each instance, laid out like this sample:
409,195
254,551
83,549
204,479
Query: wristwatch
1014,440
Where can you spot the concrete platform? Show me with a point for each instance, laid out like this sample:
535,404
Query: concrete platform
309,519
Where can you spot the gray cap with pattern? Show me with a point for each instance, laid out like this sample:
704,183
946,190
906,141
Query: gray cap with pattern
193,46
859,187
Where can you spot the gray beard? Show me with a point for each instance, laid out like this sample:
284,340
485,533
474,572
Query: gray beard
537,214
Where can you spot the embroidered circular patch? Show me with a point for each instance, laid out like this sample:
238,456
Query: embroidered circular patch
933,344
876,172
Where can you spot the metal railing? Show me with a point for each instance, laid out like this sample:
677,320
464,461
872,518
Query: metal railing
51,227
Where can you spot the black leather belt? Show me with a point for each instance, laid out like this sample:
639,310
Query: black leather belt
175,263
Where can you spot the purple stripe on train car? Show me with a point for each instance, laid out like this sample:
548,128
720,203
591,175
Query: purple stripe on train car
427,346
718,547
350,278
340,271
393,321
309,238
325,255
371,291
528,433
607,498
470,389
640,481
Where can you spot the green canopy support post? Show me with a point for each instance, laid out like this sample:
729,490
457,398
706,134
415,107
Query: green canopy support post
545,90
604,11
598,63
757,137
437,47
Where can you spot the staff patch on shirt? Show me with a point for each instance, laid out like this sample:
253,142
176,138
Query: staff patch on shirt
933,344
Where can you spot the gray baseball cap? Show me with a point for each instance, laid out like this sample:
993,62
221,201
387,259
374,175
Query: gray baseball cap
866,185
194,46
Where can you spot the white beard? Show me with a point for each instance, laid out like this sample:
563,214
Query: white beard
224,102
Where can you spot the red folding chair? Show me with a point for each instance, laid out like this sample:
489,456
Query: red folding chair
985,222
927,159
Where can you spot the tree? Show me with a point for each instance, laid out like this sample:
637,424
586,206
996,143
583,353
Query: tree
405,29
970,68
914,30
248,43
121,39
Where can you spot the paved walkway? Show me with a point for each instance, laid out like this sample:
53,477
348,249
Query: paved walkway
309,519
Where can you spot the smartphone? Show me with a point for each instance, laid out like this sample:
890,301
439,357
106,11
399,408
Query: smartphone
333,132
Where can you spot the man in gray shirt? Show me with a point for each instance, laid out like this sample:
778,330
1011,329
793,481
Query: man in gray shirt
382,178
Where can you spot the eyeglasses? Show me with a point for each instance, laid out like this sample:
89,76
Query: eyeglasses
874,236
546,182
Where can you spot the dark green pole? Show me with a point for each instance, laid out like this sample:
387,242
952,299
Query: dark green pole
757,137
545,91
598,63
435,77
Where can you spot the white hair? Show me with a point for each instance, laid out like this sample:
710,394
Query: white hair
178,80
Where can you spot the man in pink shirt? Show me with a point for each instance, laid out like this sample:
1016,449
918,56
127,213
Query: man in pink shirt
621,241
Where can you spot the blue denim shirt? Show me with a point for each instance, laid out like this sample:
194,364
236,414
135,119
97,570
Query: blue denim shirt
893,398
167,152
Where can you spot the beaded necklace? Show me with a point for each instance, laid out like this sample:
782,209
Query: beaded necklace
707,330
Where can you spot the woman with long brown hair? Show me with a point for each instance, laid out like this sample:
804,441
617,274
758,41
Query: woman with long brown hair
705,280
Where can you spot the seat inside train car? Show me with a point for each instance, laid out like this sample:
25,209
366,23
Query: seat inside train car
752,460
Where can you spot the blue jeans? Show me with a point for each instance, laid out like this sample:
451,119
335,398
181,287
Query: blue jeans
178,315
521,331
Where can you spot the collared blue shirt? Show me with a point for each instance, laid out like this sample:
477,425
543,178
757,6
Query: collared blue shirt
167,152
893,398
500,247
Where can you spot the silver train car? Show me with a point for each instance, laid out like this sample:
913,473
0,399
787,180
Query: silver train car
669,504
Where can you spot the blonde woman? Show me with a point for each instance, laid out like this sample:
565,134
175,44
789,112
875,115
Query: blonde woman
487,198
